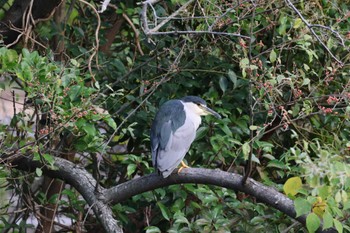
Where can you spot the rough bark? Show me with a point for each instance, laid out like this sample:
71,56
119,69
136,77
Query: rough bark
82,181
99,201
111,33
262,193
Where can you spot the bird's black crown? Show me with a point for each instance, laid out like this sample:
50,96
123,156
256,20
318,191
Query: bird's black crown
194,99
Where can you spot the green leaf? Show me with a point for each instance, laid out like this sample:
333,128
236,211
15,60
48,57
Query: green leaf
9,59
201,132
233,77
346,205
246,150
36,156
330,43
110,122
179,218
302,206
49,159
338,196
273,56
306,81
327,220
283,25
90,129
313,222
243,63
257,220
226,130
223,83
297,23
164,210
292,186
38,171
97,85
74,92
277,164
338,225
255,159
253,127
152,229
131,169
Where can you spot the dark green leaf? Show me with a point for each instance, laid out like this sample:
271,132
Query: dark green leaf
233,77
201,132
164,210
223,83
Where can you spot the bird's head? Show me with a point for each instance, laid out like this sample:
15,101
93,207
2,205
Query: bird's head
199,106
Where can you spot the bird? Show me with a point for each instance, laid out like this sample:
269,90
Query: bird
174,129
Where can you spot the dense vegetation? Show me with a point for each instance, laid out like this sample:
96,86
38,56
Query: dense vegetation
277,71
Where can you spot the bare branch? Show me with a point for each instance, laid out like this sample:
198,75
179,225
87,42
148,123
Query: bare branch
311,26
264,194
137,34
155,30
97,41
199,32
104,6
183,7
99,201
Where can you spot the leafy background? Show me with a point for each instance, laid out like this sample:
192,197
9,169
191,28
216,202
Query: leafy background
282,93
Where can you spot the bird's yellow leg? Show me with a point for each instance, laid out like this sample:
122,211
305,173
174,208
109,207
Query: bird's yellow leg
183,165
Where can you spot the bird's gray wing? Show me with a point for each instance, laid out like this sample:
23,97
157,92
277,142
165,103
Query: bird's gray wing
170,116
170,156
160,139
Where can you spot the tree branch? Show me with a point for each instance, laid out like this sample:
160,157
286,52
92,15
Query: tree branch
85,184
232,181
82,181
11,25
310,26
155,30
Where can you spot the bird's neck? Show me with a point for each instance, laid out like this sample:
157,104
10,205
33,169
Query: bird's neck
193,117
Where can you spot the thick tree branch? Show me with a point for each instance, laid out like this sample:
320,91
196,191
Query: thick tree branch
82,181
232,181
85,184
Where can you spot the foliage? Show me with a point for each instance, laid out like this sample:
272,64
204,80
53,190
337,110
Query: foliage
283,98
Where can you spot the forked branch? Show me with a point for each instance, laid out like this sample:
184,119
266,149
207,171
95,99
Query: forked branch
99,201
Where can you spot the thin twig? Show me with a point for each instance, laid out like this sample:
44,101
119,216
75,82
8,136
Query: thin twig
183,7
336,33
164,79
155,31
310,26
249,165
224,14
137,34
199,32
97,41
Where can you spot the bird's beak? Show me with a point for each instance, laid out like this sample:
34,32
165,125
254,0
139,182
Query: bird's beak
211,112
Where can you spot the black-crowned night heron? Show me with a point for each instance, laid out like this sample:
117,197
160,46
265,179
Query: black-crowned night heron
173,131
